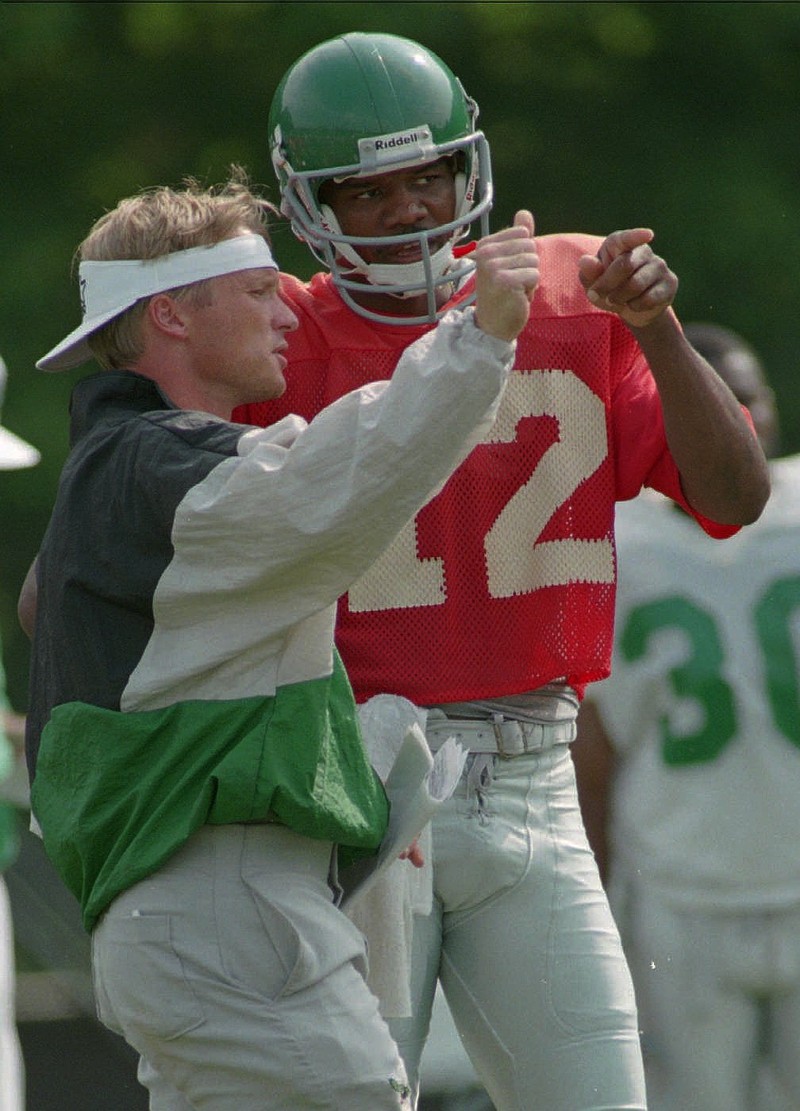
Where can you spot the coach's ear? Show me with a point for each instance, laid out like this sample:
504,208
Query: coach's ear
168,316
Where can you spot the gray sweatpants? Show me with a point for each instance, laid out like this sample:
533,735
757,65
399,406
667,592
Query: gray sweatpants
240,983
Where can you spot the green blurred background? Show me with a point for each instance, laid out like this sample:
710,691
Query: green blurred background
678,116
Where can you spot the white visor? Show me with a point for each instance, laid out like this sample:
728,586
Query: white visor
15,453
109,288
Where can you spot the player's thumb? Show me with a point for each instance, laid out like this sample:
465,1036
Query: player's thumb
524,219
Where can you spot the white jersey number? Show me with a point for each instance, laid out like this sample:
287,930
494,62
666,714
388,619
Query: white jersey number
517,561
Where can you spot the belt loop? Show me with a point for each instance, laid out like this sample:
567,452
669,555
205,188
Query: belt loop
511,737
497,727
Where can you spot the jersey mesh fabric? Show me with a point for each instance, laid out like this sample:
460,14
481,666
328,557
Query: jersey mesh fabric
505,580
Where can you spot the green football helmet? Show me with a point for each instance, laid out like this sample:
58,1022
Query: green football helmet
366,104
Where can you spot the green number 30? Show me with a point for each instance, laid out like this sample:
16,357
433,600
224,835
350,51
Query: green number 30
700,678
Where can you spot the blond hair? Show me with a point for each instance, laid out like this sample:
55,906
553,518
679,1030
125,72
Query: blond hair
157,222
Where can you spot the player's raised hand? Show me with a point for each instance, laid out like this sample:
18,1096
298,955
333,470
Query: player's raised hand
627,278
507,273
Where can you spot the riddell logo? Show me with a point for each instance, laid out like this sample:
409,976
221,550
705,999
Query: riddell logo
403,139
396,148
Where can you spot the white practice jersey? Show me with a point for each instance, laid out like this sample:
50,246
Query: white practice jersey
704,703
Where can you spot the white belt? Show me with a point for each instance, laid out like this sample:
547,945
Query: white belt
505,736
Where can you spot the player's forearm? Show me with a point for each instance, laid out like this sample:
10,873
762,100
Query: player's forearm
723,470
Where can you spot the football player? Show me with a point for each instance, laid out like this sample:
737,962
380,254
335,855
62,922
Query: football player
688,760
494,607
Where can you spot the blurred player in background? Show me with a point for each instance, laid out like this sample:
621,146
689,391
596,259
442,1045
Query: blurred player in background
688,762
14,454
494,608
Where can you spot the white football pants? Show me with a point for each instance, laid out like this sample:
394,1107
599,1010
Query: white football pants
719,1000
524,944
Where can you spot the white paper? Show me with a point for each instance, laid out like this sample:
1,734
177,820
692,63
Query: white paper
417,784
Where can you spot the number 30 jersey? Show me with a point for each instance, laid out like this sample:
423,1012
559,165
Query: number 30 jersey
505,580
704,704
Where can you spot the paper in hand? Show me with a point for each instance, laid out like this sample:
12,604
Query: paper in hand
416,785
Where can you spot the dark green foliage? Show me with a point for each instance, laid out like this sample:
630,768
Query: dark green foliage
681,117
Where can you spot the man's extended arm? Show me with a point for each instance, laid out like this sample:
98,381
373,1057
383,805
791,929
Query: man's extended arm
723,470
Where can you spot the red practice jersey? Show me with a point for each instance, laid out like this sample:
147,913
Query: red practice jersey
505,580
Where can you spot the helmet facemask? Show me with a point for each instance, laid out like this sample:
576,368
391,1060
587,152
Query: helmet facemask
316,224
